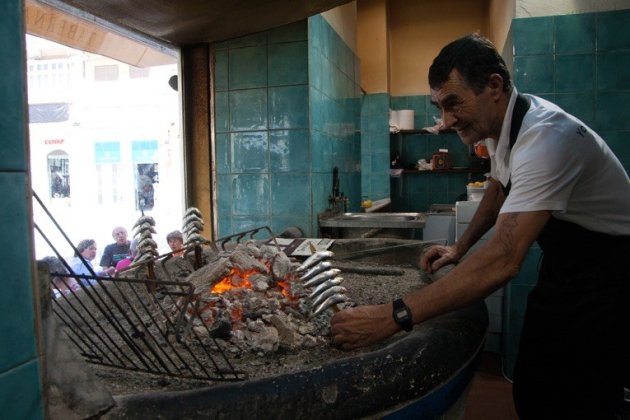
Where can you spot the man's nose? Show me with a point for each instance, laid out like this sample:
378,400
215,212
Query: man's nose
448,119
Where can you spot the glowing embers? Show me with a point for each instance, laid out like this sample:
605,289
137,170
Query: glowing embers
252,297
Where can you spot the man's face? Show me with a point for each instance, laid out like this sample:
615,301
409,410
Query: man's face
471,115
89,253
175,244
120,236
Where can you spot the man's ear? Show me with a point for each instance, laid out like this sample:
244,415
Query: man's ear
495,83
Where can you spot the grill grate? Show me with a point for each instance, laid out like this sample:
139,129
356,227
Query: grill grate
120,323
141,324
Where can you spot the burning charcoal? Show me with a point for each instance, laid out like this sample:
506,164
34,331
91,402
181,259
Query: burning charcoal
259,282
221,329
266,341
309,342
289,339
244,261
280,266
256,326
269,252
253,249
210,274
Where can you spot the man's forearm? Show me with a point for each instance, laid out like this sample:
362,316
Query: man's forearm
484,218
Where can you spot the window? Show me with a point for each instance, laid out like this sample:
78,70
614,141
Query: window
59,174
138,72
49,75
106,72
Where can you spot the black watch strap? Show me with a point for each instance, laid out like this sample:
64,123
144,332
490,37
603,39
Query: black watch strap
402,315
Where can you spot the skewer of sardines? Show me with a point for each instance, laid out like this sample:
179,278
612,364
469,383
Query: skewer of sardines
318,274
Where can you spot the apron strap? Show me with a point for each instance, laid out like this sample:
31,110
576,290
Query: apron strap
521,106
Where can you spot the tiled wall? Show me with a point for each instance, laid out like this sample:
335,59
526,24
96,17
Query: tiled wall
581,63
19,364
375,148
287,113
335,116
262,138
417,191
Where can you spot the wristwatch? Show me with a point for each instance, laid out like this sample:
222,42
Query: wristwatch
402,315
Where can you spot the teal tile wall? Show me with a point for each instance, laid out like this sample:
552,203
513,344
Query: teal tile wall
20,388
580,62
287,111
335,116
262,131
375,149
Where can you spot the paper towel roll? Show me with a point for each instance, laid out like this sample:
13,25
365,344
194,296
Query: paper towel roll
393,118
405,119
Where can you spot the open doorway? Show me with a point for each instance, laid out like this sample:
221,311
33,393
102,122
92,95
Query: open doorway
105,145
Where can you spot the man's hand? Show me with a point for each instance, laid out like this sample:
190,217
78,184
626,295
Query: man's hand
438,256
363,325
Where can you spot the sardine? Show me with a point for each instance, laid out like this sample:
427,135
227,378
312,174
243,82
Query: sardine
144,219
328,293
193,210
195,237
314,259
192,218
322,266
145,226
192,226
326,285
146,242
322,277
330,302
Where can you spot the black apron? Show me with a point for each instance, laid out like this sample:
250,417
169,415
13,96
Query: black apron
574,350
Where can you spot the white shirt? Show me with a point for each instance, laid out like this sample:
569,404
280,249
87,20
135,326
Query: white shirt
560,164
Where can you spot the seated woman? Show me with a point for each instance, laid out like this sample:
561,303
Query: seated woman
87,249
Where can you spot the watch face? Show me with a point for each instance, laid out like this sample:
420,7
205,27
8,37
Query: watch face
402,313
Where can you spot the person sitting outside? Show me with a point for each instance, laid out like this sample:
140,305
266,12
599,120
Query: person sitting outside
60,285
175,241
126,262
87,249
117,251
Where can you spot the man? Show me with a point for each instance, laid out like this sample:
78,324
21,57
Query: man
175,241
555,181
117,251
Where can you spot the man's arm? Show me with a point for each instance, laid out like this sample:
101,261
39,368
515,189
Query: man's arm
476,277
483,219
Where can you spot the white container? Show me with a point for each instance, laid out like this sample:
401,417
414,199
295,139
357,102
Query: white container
393,119
475,193
405,119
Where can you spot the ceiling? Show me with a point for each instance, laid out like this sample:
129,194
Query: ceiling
185,22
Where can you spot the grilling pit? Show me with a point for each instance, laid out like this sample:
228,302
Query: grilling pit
230,330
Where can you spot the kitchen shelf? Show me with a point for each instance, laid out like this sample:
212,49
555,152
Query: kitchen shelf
446,171
423,131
